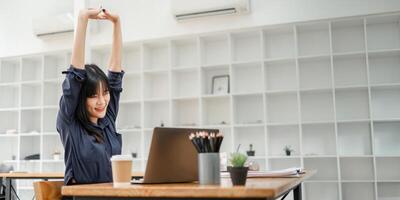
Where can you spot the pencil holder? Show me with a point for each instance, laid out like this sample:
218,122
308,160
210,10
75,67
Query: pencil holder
209,169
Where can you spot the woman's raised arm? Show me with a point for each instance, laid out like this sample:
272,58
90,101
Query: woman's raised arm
115,60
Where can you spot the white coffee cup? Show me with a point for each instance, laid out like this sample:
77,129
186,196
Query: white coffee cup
121,170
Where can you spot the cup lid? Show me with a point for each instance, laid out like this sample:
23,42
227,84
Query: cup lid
121,157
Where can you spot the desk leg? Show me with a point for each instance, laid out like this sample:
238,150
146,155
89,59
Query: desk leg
8,188
297,192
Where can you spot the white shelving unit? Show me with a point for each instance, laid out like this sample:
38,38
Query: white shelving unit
330,89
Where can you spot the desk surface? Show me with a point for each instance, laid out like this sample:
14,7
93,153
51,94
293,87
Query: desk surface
255,188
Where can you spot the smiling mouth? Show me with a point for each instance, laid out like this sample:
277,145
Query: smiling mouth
100,109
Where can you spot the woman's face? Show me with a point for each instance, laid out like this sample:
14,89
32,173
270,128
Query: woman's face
96,105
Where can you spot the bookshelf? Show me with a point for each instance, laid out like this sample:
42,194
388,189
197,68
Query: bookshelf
329,89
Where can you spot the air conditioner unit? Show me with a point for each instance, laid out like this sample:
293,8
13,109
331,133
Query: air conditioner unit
50,25
188,9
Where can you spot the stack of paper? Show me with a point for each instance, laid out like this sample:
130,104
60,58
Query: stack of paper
289,172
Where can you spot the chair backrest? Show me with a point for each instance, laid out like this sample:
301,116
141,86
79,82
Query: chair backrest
48,190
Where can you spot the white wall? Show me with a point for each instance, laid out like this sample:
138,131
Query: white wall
145,19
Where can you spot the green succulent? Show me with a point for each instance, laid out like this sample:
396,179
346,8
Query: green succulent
237,159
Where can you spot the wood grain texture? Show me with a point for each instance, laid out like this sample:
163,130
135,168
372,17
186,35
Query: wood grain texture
254,188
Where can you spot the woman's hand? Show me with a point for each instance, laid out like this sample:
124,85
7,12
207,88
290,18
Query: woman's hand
91,13
109,16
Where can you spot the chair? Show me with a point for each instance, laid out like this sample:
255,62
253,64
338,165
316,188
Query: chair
48,190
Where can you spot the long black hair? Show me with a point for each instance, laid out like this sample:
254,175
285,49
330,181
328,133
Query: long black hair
94,77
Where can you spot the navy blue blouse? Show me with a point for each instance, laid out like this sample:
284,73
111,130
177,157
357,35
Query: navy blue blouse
85,160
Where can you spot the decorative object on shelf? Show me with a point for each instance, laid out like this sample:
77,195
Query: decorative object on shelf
237,170
253,165
162,123
220,84
11,131
56,154
34,132
13,157
288,150
33,157
223,122
251,152
134,154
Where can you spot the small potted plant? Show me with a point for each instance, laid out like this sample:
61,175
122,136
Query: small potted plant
288,150
251,152
237,170
56,154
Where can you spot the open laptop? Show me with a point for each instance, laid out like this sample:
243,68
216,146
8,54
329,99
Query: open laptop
172,157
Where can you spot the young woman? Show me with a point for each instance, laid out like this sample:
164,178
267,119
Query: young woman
89,107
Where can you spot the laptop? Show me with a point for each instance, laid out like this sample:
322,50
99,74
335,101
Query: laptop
172,157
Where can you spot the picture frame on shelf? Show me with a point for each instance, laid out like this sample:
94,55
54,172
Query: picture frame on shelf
220,84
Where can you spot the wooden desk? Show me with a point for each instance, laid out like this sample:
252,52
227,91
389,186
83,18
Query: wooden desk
256,188
24,175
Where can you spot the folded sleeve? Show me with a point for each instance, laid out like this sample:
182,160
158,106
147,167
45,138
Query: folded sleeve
71,88
115,81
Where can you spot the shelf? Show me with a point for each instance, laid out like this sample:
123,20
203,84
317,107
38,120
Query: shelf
32,68
350,70
186,113
352,104
28,146
385,103
9,148
386,138
384,68
321,190
10,99
52,93
250,135
185,53
227,143
282,108
214,49
52,144
387,168
280,75
315,73
54,64
209,73
310,34
129,116
30,121
10,71
131,59
327,168
147,142
388,191
156,55
354,138
318,139
280,136
247,78
348,36
357,168
248,109
156,85
383,32
246,46
279,43
132,144
216,111
54,167
358,191
185,83
31,95
49,120
156,113
316,106
283,163
131,88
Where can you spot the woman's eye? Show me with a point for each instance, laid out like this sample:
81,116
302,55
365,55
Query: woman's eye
93,96
106,92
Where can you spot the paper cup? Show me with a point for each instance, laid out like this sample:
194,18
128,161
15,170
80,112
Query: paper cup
121,170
